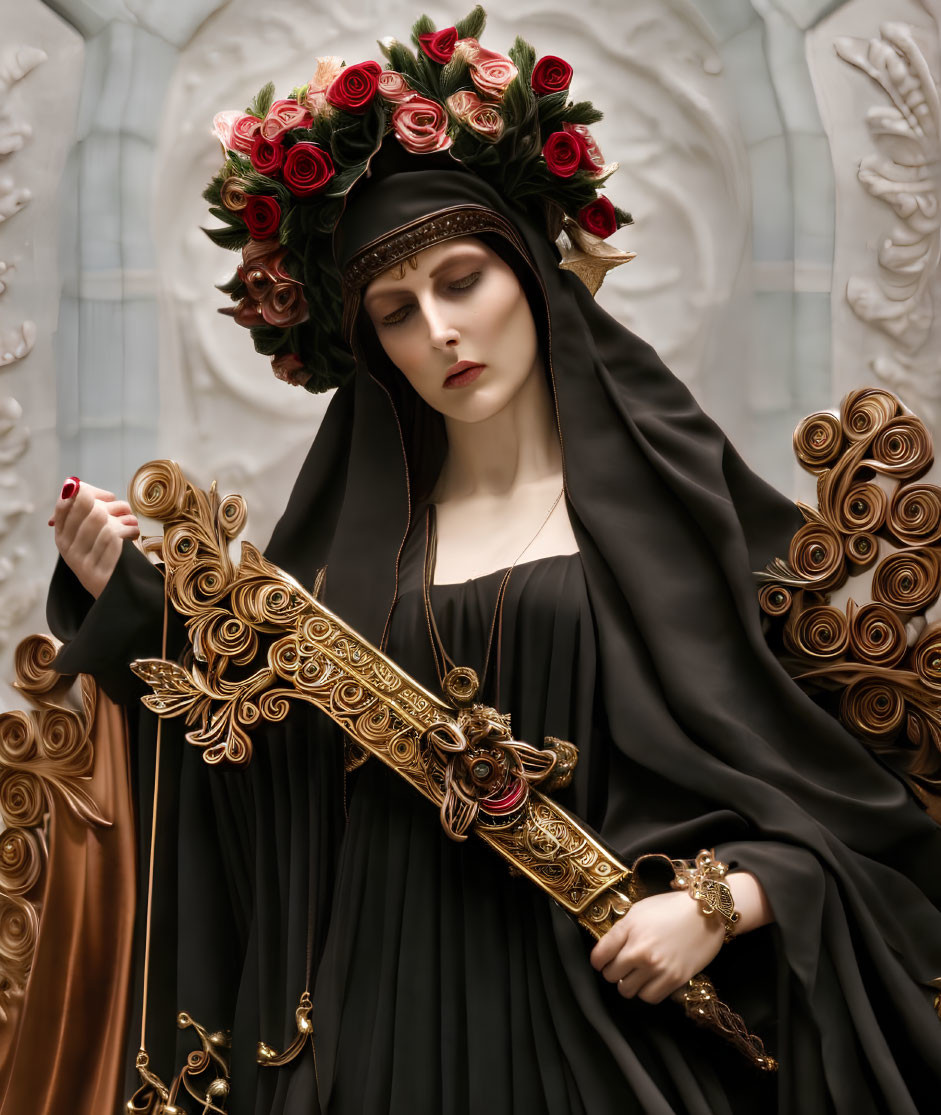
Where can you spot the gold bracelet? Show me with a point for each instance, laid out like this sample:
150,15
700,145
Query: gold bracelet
703,880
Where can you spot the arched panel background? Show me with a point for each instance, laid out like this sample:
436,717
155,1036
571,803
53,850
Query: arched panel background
781,159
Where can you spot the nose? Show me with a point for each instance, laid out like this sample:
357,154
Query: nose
442,331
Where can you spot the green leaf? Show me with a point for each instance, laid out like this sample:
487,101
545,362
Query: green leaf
551,109
424,25
267,339
234,287
624,218
341,183
213,192
582,112
472,25
262,102
232,238
226,216
524,55
386,46
454,75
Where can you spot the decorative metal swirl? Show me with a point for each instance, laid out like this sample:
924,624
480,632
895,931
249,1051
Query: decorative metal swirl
874,512
45,756
260,641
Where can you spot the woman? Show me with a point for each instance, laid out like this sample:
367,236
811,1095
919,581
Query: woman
497,421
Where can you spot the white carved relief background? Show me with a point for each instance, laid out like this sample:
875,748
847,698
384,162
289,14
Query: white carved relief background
772,272
40,73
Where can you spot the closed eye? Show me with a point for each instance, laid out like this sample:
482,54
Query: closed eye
458,285
465,283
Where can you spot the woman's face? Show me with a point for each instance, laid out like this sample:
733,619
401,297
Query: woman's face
455,321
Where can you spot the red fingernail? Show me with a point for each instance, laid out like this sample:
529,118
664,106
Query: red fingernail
70,487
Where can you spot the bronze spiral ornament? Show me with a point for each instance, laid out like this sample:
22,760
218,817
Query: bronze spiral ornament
926,657
876,515
863,509
861,550
873,707
865,412
775,600
45,760
816,555
902,448
908,580
818,440
820,632
914,514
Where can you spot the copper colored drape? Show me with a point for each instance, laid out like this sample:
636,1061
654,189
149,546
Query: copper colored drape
67,1054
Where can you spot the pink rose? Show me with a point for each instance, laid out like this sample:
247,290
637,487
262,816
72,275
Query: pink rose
394,87
244,131
480,115
592,159
282,117
289,368
421,126
326,72
222,125
490,71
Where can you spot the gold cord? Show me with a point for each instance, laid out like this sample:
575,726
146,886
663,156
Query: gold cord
440,654
153,841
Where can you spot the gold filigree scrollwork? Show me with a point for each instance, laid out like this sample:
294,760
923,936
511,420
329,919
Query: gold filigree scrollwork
204,1078
45,757
882,659
260,640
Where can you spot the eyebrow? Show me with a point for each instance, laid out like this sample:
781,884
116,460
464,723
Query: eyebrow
448,261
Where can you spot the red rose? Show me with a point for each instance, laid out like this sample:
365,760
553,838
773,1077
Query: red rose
354,88
266,156
551,75
307,169
439,45
262,215
598,218
563,153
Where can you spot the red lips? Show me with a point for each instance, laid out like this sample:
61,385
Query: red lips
462,373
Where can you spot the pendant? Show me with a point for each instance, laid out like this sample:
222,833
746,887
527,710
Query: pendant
461,686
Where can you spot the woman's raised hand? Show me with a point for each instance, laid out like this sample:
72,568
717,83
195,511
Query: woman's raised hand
91,525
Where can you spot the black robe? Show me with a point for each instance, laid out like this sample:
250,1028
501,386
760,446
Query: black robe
697,738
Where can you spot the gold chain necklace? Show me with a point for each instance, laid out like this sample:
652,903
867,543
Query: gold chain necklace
461,684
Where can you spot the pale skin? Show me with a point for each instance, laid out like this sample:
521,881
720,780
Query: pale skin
459,302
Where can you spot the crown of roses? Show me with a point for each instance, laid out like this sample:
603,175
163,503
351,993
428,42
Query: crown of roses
290,163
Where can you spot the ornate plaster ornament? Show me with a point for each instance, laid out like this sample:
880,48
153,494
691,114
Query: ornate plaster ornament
16,63
12,198
904,173
16,343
